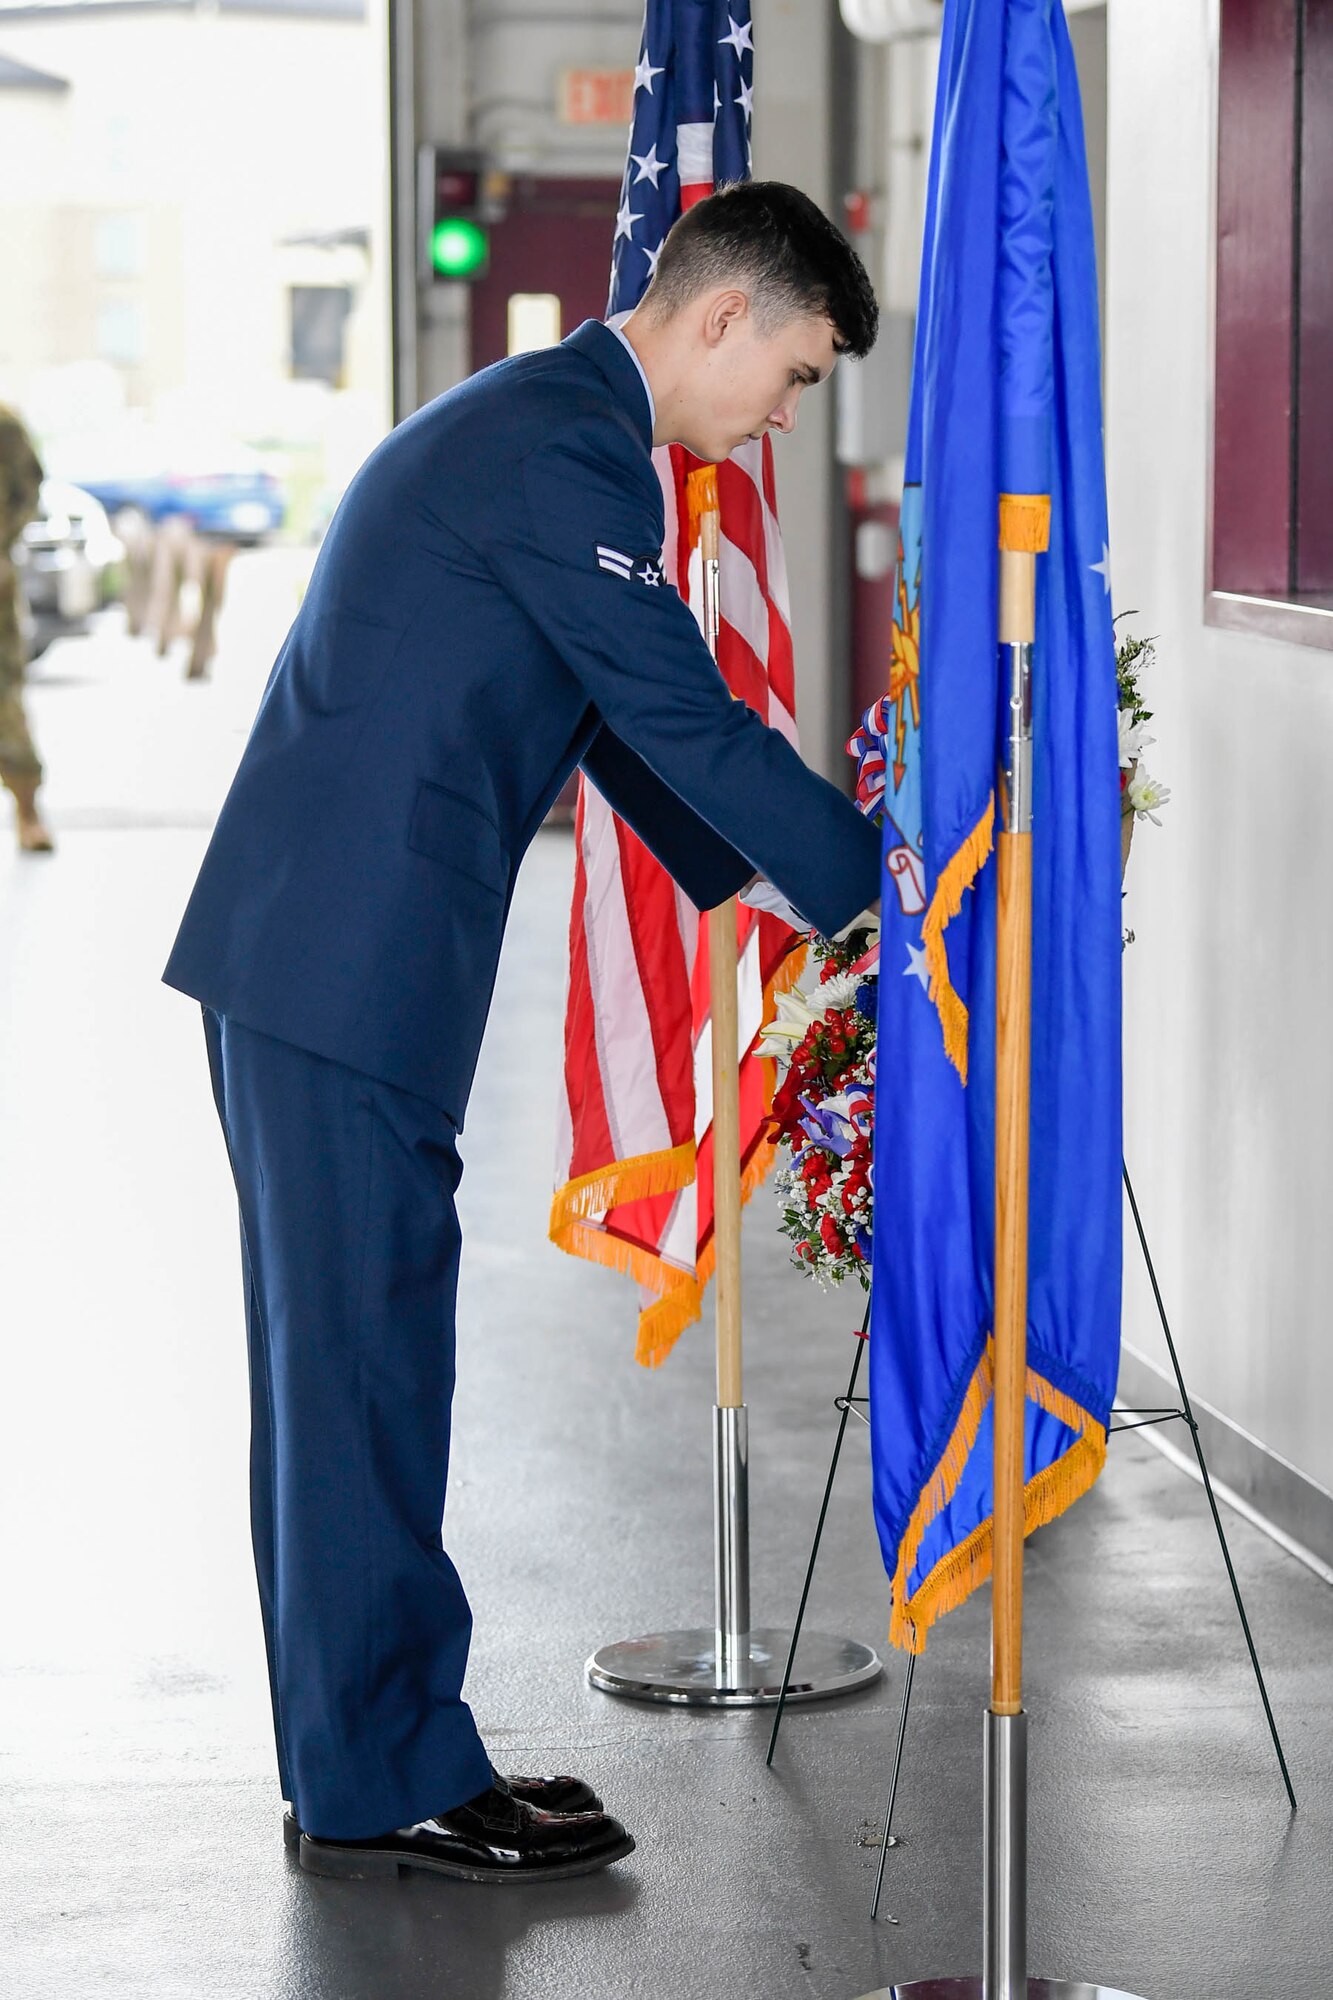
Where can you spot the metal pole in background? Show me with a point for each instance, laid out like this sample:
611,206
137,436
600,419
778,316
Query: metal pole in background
403,314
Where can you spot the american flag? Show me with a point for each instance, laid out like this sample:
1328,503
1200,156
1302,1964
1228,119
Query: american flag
634,1177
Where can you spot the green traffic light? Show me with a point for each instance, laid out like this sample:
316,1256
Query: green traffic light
458,248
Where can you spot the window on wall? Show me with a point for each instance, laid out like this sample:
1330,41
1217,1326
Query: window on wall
1273,391
534,321
120,246
319,315
120,332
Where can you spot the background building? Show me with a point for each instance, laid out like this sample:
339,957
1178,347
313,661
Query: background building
193,203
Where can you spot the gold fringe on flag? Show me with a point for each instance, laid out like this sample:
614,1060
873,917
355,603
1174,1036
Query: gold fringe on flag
961,872
681,1302
624,1180
1054,1489
1025,522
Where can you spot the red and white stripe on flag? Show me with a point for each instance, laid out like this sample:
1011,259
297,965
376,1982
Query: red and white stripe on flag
635,1141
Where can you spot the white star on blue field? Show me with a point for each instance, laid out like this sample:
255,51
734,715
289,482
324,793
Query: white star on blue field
687,74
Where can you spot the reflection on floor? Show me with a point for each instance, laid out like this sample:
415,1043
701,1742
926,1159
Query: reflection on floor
143,1855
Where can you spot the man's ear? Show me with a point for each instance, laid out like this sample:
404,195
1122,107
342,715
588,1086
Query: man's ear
724,310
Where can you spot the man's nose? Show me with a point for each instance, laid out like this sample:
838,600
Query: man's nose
783,417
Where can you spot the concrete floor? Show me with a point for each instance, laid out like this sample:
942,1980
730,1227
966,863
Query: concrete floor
139,1812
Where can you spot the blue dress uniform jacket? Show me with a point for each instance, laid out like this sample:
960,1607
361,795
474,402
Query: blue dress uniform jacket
486,613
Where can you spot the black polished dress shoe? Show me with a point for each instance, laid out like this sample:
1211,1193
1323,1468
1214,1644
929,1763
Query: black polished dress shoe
496,1837
551,1795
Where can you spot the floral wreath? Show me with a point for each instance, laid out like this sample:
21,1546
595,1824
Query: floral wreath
824,1039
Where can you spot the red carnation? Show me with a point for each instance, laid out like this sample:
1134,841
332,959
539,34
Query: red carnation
828,1230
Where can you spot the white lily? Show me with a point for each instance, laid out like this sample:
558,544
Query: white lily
789,1025
1145,794
1133,735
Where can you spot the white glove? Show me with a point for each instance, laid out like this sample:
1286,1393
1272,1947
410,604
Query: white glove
761,895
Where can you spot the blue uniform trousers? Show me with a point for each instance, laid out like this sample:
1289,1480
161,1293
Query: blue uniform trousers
350,1244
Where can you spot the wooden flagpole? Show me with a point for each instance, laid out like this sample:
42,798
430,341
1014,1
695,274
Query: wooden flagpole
1004,1912
1004,1974
731,1444
1013,1034
734,1665
724,1016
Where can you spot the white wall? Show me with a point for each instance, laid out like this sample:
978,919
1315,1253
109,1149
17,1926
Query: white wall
1228,1049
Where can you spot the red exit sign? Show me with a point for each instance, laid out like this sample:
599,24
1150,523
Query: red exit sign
596,96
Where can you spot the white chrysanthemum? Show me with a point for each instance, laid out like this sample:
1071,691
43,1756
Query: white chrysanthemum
838,993
1145,794
1134,737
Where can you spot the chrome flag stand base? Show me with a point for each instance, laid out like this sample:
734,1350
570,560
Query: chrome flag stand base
731,1666
973,1989
681,1667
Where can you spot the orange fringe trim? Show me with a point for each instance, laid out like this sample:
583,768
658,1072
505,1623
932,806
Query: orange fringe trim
701,496
962,870
661,1323
1053,1490
1025,522
623,1180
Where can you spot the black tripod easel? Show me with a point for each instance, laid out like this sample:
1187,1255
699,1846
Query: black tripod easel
851,1403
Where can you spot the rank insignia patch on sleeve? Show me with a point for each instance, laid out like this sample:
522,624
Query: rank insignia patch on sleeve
646,569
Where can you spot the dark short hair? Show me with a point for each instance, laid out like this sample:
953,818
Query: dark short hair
774,241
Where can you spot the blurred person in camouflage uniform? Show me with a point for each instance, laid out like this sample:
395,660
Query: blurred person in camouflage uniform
20,766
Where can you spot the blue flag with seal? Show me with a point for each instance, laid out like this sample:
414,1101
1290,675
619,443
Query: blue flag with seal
1006,409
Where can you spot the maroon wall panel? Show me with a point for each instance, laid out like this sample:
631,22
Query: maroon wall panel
1314,503
555,237
1252,420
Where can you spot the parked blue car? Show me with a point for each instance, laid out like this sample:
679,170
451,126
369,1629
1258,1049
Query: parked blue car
242,505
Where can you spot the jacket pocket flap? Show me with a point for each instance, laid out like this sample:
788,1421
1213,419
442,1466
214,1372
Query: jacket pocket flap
449,828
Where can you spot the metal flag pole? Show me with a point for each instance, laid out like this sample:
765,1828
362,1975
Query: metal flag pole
1004,1904
733,1665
